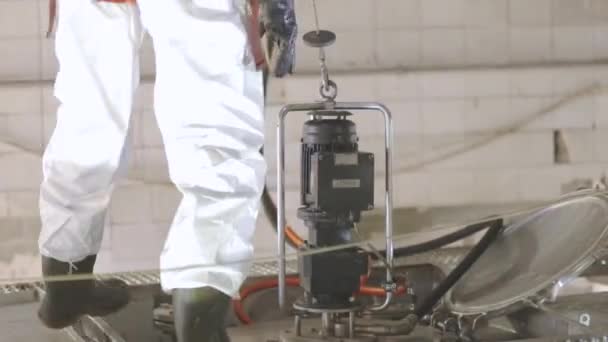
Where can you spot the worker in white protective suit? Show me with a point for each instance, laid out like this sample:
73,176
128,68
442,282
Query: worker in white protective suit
209,106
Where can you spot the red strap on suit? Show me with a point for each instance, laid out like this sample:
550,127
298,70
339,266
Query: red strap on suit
254,35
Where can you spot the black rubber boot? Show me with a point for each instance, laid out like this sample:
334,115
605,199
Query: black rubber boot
200,315
66,301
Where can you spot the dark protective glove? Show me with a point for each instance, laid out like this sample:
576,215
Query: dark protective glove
278,22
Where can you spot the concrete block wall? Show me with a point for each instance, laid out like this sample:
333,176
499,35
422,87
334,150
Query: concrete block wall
462,136
429,33
476,137
376,35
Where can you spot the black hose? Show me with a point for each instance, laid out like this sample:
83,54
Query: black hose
407,324
474,254
439,242
270,208
271,212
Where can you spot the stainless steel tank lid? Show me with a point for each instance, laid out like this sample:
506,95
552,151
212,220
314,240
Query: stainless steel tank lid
545,248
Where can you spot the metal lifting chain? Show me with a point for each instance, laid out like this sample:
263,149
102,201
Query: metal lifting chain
322,39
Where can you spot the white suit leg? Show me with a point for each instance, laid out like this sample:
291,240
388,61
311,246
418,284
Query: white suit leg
97,47
209,106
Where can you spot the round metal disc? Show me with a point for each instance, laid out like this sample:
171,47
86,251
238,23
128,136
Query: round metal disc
547,247
319,39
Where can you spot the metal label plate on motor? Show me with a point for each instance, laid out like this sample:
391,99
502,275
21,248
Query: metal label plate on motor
342,181
346,183
346,159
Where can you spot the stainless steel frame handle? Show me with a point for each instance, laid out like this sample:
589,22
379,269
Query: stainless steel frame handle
388,141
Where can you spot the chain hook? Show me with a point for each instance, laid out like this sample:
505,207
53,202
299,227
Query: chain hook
321,39
329,91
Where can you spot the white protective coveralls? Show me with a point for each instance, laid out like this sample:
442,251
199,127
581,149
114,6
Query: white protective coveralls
209,106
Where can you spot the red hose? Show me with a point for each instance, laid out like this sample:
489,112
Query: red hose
237,305
259,286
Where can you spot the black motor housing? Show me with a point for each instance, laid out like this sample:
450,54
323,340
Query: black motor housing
337,184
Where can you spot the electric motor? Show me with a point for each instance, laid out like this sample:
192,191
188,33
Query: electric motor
337,184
